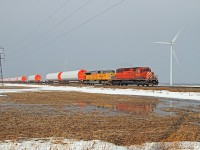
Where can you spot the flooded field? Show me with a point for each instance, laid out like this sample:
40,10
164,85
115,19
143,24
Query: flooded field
122,120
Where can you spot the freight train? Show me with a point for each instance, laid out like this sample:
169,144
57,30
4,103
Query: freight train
122,76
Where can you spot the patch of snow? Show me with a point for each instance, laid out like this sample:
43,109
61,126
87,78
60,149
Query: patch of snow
92,89
66,144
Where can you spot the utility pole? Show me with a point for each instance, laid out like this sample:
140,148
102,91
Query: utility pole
2,57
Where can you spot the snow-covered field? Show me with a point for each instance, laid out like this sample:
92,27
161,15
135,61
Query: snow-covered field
90,89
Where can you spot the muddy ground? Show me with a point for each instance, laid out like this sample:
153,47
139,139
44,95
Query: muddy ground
123,120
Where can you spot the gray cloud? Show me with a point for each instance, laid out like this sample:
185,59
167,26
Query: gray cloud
118,38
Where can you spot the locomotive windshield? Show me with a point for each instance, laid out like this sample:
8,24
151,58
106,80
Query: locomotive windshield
146,70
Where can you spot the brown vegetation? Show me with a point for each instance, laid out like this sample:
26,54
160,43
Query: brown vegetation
13,87
123,120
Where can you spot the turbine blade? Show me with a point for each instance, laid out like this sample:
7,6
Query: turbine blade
174,39
175,56
166,43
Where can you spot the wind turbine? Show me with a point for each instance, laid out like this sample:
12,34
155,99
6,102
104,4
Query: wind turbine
172,52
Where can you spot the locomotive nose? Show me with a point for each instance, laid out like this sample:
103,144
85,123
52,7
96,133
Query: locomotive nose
150,75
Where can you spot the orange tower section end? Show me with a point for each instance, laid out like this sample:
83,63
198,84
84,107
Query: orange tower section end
38,77
81,74
59,76
24,78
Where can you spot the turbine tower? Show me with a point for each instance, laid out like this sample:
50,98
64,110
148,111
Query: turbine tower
172,52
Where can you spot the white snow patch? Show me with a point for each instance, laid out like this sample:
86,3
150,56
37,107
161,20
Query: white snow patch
66,144
92,89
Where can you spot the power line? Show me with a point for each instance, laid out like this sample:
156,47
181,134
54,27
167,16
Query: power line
85,22
59,23
66,18
77,27
48,18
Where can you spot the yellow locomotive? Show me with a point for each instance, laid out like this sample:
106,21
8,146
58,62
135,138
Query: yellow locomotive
99,77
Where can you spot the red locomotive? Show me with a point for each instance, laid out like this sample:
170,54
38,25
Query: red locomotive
138,76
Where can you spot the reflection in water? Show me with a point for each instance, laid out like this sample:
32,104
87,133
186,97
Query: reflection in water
104,109
176,103
136,109
110,109
81,104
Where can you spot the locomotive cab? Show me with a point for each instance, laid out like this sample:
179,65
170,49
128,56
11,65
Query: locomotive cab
146,73
149,76
143,73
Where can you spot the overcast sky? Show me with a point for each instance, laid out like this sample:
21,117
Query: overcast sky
46,36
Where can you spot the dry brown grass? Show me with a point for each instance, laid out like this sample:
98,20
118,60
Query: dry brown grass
13,87
65,98
44,116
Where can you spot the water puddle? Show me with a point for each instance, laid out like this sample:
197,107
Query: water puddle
176,103
91,109
139,110
81,108
111,110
